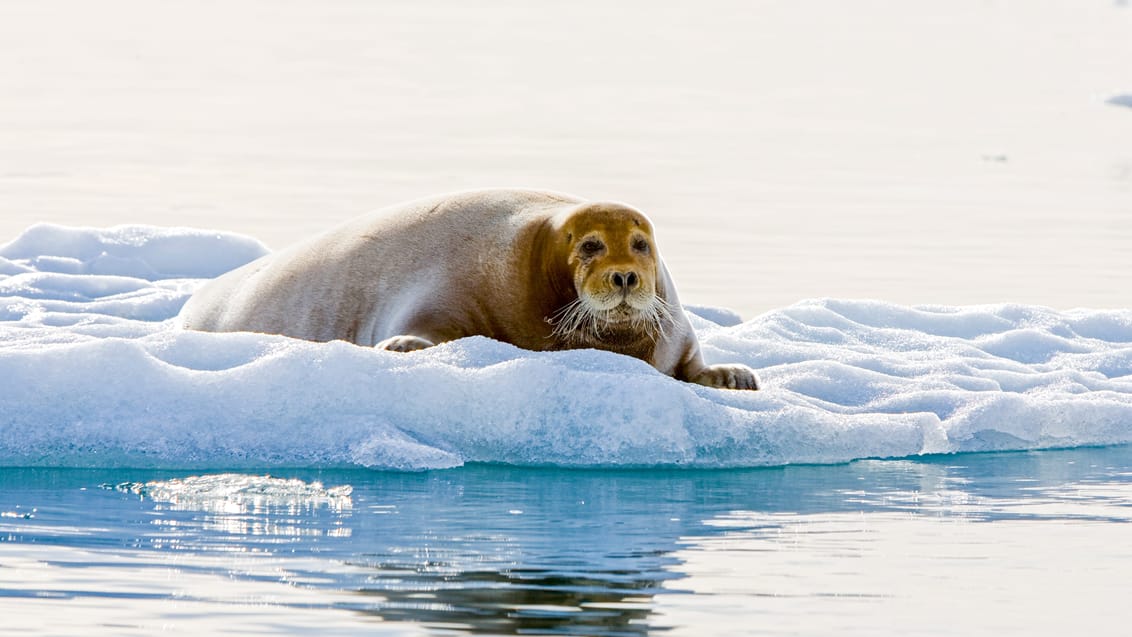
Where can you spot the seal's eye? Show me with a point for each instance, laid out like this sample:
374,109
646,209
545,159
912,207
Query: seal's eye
640,245
591,247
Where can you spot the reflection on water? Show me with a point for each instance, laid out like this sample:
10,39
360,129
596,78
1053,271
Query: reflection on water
520,601
530,551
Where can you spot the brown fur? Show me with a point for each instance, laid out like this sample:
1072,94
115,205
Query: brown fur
539,270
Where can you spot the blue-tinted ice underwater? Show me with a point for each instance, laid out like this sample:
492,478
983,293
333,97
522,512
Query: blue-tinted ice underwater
96,379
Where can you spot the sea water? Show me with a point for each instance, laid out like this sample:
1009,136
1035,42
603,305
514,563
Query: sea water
1005,543
932,152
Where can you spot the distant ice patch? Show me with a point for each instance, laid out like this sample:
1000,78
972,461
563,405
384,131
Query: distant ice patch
96,375
1120,100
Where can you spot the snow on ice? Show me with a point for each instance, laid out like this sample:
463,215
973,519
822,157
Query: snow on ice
93,373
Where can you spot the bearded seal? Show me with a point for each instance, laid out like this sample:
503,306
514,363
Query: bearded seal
539,270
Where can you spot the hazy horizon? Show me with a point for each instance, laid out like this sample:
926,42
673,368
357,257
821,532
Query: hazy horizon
916,152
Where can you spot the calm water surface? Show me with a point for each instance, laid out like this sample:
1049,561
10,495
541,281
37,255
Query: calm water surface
1021,543
785,150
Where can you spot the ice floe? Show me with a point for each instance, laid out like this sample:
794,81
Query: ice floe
94,373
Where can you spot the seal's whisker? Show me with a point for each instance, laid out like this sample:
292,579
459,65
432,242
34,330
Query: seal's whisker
563,313
571,318
661,311
583,316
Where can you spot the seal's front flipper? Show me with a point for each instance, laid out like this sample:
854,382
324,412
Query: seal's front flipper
404,343
727,377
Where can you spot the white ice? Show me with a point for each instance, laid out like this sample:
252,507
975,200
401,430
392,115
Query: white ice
94,374
239,493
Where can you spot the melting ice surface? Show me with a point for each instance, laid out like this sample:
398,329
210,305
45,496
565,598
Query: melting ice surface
94,374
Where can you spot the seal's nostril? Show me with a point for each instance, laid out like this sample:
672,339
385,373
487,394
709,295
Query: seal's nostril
618,280
631,280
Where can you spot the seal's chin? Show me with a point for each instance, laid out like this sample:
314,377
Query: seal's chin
594,321
620,314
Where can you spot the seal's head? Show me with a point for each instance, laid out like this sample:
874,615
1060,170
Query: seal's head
611,257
